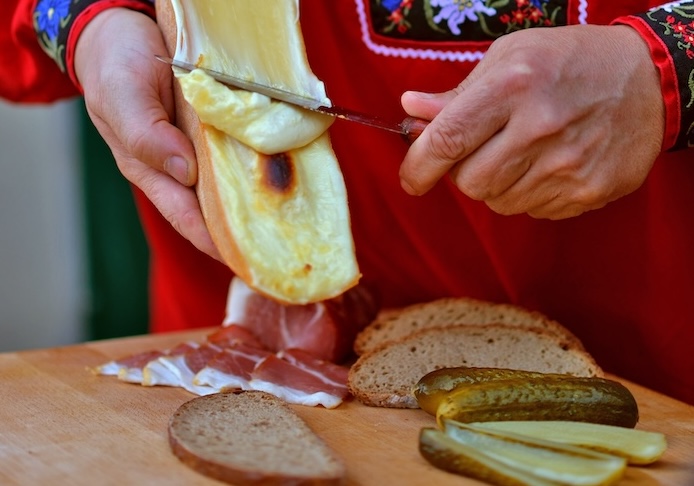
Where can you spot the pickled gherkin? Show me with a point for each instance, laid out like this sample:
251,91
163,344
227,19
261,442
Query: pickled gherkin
491,394
434,386
593,400
639,447
505,460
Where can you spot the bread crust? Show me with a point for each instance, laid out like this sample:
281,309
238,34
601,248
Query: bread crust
385,376
239,408
394,324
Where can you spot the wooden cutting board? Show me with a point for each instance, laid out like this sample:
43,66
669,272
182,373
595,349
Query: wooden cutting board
61,424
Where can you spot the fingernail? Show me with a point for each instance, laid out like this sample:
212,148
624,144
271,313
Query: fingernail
407,187
177,167
422,95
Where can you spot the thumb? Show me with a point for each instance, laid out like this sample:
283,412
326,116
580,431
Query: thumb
425,105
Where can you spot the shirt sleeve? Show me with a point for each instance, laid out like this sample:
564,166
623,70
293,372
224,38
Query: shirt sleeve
38,39
669,32
59,23
26,73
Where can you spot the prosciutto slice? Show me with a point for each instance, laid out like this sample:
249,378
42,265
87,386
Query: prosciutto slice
180,370
131,368
232,335
297,384
324,329
289,351
232,368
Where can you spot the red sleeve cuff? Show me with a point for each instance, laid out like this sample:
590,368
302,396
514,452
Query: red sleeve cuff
668,77
83,20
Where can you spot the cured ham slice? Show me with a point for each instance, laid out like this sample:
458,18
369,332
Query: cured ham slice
233,335
295,385
330,373
131,368
180,370
324,329
232,368
294,375
289,351
301,381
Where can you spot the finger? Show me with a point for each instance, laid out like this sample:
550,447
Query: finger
548,194
466,122
425,105
179,206
142,127
493,168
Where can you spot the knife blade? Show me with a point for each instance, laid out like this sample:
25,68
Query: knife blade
409,128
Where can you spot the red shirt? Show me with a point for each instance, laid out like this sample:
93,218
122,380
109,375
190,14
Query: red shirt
621,278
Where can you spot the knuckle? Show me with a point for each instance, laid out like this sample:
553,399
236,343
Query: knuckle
447,143
472,187
504,207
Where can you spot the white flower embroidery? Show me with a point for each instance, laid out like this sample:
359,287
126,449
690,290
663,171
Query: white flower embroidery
667,7
455,12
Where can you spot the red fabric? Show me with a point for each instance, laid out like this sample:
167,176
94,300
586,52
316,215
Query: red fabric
621,277
27,74
187,288
668,78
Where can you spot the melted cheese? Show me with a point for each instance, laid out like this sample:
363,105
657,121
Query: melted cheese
267,126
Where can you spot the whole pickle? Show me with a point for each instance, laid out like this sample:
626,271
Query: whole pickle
431,389
545,397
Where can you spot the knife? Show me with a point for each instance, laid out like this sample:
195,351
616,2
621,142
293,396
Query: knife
409,128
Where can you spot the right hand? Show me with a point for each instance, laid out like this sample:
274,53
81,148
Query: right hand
129,98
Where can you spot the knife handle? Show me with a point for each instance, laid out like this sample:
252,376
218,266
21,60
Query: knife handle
412,128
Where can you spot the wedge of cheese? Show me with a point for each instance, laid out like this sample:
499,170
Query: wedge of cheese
270,186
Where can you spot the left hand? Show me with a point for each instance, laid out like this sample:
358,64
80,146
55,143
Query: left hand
553,122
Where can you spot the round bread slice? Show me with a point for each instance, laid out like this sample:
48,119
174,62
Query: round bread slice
249,438
280,217
385,376
394,324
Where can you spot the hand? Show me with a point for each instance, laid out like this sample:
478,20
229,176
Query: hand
553,122
129,97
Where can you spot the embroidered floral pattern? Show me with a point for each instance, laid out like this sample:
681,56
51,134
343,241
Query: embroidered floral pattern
49,17
674,24
463,20
455,12
53,20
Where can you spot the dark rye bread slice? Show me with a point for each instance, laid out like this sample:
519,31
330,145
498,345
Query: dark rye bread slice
251,437
394,324
385,376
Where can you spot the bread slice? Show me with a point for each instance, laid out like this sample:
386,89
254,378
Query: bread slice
395,324
278,215
251,438
385,376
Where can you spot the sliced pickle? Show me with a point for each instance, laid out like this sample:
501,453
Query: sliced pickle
638,447
450,455
505,460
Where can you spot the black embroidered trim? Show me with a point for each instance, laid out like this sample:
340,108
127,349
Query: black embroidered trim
474,20
53,20
675,26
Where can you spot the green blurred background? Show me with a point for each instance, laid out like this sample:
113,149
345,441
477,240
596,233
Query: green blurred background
117,255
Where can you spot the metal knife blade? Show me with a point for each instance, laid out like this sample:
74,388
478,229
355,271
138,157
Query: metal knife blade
410,128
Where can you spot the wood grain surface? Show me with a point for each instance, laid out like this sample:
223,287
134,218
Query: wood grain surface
62,424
